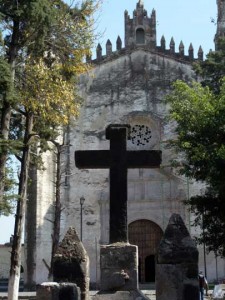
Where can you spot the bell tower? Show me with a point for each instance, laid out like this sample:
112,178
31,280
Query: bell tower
220,22
141,30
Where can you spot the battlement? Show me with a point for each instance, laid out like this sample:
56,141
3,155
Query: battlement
161,50
140,33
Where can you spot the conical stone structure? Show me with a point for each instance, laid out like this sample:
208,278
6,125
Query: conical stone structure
177,263
71,263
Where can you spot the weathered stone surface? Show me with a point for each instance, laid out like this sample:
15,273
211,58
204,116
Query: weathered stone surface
176,245
177,263
119,273
174,282
71,263
58,291
121,295
119,267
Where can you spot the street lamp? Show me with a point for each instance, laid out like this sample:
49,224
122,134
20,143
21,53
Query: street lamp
82,199
204,248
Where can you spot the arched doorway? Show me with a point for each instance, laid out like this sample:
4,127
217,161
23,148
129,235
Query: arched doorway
146,235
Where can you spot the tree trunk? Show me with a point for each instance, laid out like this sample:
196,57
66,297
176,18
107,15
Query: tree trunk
14,277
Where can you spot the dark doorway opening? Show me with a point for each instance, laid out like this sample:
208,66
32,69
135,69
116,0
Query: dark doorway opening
140,36
150,268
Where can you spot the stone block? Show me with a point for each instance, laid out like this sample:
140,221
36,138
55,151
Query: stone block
119,267
58,291
176,282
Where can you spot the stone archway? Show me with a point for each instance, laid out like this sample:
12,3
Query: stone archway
146,235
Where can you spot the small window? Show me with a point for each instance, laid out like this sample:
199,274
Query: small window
140,36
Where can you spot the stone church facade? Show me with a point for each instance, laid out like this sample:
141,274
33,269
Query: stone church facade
126,86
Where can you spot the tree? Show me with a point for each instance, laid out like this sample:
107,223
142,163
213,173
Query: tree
45,47
22,23
200,135
34,28
46,99
212,70
198,110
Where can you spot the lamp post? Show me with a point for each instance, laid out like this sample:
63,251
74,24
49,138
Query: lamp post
82,199
204,248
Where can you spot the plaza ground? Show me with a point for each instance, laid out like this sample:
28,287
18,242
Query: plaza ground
32,295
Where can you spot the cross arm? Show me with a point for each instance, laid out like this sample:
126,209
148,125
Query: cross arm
144,159
92,159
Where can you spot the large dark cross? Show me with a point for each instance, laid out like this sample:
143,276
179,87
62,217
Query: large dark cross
118,160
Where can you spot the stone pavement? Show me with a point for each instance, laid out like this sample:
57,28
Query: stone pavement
151,294
32,295
22,295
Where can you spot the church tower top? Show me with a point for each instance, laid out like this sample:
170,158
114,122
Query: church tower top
140,33
220,22
141,29
140,3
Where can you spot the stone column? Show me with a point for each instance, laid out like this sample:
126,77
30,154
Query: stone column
177,263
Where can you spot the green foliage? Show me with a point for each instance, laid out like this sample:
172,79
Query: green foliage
199,112
7,206
6,86
209,215
42,45
200,129
212,70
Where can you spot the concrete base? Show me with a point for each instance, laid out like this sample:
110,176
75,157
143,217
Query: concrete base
120,295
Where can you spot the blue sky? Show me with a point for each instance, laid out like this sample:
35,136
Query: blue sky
189,21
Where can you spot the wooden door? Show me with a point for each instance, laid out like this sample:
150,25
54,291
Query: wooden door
146,235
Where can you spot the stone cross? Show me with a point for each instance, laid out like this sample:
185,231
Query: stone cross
118,160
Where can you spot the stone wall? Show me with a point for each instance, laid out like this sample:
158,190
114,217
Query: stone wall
5,255
129,90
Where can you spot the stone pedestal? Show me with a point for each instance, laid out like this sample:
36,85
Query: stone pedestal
177,264
119,273
58,291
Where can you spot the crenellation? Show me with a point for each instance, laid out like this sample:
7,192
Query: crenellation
180,55
108,47
181,48
118,43
99,52
163,43
191,52
200,54
153,17
172,46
